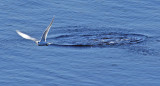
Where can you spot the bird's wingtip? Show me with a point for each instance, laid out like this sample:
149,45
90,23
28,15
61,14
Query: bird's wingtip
17,30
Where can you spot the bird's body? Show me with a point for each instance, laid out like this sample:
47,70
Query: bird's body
42,42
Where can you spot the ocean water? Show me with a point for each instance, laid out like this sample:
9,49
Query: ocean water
123,38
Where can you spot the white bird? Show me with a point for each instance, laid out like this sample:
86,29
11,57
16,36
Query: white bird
42,42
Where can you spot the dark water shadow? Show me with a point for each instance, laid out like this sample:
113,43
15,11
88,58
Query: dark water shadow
72,46
87,37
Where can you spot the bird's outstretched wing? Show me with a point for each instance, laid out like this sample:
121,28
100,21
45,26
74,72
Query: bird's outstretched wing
25,36
45,33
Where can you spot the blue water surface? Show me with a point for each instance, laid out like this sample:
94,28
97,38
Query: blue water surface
23,63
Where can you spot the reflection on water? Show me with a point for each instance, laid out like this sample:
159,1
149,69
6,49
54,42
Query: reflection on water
87,37
82,37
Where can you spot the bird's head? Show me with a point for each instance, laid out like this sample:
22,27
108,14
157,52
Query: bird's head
37,42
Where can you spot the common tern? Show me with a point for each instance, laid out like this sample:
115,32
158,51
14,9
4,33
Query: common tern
42,42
